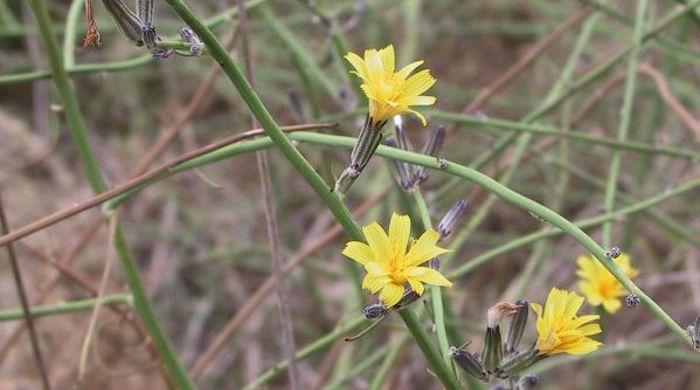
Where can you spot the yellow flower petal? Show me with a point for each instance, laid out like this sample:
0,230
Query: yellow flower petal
378,241
387,56
428,275
374,283
416,285
611,305
389,92
399,233
391,294
424,249
359,65
560,330
376,268
359,251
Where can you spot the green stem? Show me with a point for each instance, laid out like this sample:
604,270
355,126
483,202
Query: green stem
63,308
440,369
78,132
74,12
285,145
615,144
625,117
435,291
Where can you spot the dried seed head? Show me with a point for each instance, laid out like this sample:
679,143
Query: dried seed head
498,311
632,301
448,222
469,362
613,252
92,34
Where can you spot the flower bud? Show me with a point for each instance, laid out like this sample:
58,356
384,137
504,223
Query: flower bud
432,147
632,301
517,326
375,311
696,334
613,252
470,363
448,222
493,349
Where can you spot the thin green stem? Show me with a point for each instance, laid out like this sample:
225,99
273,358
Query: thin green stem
438,367
625,116
285,145
78,132
74,13
533,128
435,291
63,308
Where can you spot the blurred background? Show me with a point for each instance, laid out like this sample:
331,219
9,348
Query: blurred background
199,237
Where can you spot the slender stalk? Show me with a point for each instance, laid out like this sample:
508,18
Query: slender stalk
625,116
78,131
614,144
435,291
63,308
26,312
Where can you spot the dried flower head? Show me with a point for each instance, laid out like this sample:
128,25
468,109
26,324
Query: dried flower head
600,286
392,262
559,328
389,92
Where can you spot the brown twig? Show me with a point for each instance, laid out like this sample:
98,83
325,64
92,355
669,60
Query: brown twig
272,227
267,287
17,276
131,184
685,116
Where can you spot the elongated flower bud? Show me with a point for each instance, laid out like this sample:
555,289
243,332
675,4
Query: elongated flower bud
696,334
517,326
449,221
470,363
369,139
493,349
432,147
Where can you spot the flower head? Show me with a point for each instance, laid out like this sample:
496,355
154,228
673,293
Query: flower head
391,262
599,285
391,93
560,330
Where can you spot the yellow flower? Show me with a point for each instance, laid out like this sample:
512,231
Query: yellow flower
560,329
390,262
391,93
599,285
